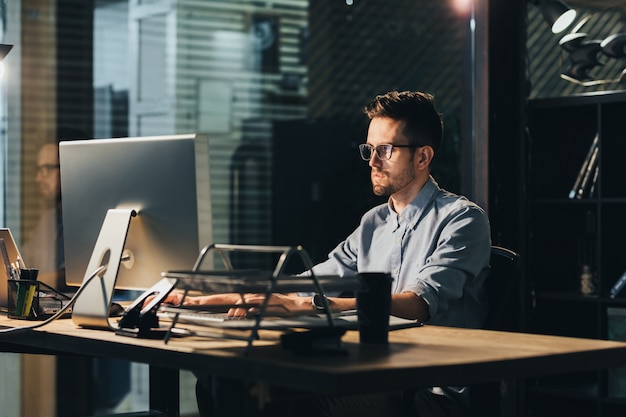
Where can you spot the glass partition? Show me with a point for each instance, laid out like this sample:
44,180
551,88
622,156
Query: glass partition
277,86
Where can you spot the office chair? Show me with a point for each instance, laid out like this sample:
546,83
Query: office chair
501,285
496,399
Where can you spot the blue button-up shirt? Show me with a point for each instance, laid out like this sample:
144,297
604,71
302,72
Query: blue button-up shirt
438,247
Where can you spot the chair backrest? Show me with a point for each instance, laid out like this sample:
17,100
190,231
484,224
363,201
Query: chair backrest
501,285
486,399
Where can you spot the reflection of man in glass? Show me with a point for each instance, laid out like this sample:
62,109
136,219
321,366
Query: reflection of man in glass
44,247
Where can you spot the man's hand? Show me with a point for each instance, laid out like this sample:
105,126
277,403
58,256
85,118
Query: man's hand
173,298
278,304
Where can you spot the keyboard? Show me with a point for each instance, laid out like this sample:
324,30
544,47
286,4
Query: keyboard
222,320
190,316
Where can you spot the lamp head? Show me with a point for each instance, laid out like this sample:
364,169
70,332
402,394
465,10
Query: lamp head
558,15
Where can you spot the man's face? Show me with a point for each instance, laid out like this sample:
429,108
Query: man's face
390,175
48,175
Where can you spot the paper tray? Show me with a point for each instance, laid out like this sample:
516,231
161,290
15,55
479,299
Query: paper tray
259,282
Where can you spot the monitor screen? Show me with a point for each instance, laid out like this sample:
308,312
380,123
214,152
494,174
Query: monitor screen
164,179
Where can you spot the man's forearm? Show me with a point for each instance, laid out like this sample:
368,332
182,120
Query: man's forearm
409,305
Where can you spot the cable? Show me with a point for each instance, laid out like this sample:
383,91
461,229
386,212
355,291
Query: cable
62,311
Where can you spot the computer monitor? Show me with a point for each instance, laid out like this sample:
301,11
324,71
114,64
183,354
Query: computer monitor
163,179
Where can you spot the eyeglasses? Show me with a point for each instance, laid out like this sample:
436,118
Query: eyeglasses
46,169
382,151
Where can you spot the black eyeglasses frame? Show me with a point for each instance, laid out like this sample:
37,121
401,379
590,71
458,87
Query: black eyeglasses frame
388,149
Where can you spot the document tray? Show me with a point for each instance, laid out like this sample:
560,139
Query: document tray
258,282
233,280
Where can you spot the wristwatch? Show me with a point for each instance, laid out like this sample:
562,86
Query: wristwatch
317,301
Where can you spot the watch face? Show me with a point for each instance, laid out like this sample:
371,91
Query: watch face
318,301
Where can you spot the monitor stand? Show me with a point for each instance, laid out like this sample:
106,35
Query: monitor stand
91,308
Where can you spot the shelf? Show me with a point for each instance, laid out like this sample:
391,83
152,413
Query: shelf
560,402
563,201
599,97
582,385
619,301
581,391
566,236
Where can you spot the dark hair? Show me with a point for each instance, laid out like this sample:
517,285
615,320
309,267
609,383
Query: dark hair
423,125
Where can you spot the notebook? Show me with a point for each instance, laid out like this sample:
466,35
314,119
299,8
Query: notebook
10,256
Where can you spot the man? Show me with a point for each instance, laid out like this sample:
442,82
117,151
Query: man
44,247
435,244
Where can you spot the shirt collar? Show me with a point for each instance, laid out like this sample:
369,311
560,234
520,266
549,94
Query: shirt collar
412,213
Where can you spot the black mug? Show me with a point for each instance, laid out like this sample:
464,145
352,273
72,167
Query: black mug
373,305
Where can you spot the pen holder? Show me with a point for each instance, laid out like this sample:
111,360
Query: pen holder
23,298
30,299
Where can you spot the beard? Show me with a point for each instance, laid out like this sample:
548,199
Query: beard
385,186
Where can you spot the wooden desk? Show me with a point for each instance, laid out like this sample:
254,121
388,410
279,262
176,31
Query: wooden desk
416,357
